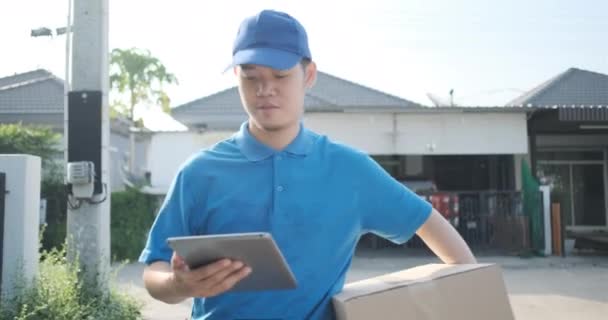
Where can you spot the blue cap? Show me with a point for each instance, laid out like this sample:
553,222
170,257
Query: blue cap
272,39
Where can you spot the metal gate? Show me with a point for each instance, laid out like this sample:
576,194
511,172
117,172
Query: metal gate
487,220
3,193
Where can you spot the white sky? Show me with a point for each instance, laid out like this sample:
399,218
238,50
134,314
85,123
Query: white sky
487,51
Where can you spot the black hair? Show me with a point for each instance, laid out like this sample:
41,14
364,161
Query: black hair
305,62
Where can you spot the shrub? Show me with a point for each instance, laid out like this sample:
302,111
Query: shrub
56,213
132,215
58,293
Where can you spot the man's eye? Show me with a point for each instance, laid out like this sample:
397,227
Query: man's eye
281,76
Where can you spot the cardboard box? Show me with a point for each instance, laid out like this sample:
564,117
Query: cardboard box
430,292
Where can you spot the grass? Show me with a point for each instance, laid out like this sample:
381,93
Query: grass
58,292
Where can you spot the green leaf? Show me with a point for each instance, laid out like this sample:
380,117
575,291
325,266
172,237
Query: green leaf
138,77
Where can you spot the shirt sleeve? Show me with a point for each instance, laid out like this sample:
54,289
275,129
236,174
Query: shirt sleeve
174,219
390,209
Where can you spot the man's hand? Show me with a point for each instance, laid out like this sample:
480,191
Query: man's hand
206,281
175,282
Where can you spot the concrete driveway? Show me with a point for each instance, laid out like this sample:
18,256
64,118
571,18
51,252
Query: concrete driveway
552,288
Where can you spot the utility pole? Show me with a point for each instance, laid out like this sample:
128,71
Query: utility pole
88,223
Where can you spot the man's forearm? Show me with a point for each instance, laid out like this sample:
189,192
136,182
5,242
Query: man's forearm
445,241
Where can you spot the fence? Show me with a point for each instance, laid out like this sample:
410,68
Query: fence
487,220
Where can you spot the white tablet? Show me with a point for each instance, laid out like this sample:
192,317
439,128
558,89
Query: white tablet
269,270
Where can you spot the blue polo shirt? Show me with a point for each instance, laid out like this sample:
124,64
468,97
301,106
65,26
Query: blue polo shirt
316,197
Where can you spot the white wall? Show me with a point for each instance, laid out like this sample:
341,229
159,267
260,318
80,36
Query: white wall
167,151
119,146
374,133
426,133
462,133
368,132
21,220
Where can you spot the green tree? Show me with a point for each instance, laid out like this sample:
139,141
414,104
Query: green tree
138,77
39,141
35,140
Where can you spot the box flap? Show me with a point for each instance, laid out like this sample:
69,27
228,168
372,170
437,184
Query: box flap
404,278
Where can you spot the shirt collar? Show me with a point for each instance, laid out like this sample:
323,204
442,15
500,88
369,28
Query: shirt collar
255,150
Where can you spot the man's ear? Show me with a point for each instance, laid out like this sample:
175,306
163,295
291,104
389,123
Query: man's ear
310,75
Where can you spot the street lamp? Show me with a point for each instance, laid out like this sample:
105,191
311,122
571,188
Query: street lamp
47,32
41,32
60,31
87,226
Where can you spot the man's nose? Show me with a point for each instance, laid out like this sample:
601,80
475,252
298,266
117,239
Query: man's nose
266,88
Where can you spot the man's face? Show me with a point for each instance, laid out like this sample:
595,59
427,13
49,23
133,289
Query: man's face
274,99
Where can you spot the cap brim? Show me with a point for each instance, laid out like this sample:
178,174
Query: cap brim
272,58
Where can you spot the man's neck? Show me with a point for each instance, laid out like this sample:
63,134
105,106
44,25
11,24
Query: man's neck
275,139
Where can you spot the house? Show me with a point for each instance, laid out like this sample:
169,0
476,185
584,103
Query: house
568,134
453,149
37,98
475,152
409,140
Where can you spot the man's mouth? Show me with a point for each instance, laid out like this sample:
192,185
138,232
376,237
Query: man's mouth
267,107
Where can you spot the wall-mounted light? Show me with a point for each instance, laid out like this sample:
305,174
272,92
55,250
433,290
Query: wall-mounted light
41,32
593,127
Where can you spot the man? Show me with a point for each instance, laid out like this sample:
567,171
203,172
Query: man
315,197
